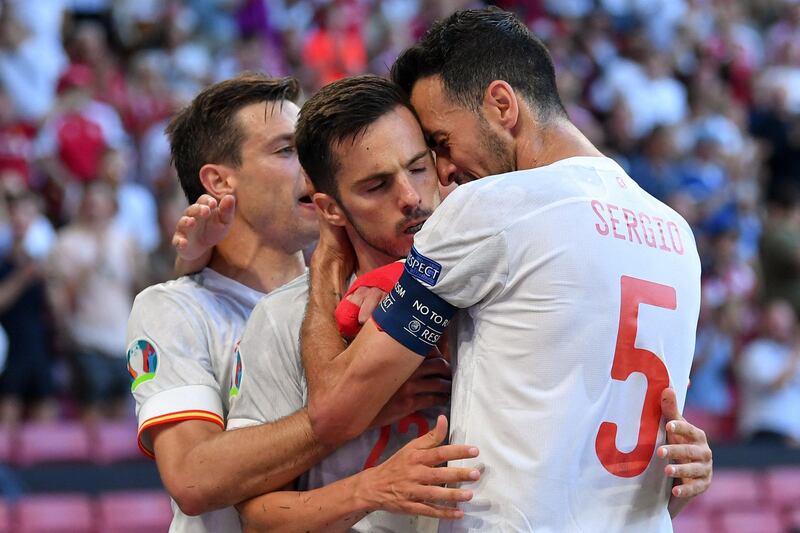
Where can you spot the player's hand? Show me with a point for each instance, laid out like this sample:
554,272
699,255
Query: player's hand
367,299
687,449
409,481
429,386
334,253
203,225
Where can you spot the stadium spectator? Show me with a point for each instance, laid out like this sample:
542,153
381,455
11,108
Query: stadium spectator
769,376
780,248
93,272
27,383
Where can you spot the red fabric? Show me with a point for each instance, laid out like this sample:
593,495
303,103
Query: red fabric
383,278
81,145
16,148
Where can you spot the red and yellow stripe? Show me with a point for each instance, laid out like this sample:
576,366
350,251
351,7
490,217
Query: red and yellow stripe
179,416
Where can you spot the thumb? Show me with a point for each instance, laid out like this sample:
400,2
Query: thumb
437,435
226,208
669,405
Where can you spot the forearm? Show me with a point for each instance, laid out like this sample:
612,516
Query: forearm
332,508
321,342
232,466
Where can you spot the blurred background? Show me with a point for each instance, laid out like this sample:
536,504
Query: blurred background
698,99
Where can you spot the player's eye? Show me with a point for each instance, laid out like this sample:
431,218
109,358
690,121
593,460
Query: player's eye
378,186
286,150
419,170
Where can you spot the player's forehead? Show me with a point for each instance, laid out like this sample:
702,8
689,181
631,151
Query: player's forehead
268,120
436,111
387,145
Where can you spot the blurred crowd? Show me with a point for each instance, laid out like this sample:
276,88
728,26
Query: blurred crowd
698,99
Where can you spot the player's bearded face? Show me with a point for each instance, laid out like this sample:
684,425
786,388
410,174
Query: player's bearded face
467,147
387,184
393,240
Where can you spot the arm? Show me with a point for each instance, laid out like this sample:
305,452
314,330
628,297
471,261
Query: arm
203,224
405,483
205,468
688,451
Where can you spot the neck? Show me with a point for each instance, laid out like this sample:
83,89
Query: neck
245,257
543,144
367,257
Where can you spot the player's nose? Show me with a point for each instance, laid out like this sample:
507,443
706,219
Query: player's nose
409,198
445,169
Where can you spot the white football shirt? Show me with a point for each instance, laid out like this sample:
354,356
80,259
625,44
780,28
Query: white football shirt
271,384
182,337
579,296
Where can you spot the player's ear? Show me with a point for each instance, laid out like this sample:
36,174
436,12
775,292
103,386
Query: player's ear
217,180
500,104
329,208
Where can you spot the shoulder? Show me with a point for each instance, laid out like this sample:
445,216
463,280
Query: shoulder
285,304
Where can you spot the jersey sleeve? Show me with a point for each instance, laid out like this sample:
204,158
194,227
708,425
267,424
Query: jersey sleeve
459,260
170,364
268,379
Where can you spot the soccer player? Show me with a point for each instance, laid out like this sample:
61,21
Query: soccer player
579,295
235,139
362,147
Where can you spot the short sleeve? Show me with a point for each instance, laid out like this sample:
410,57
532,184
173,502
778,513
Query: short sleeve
170,364
268,381
460,253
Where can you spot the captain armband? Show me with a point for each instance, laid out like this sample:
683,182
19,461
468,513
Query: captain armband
413,315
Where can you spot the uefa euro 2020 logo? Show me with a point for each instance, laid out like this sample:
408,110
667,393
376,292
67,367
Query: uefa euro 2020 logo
142,362
236,378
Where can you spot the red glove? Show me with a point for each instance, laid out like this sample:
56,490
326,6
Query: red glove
383,278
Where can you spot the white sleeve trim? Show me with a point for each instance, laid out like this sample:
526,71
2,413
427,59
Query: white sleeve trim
237,423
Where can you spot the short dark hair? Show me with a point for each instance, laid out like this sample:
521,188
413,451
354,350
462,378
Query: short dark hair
206,131
471,48
339,112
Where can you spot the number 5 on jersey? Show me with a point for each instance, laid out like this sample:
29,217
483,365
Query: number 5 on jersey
627,360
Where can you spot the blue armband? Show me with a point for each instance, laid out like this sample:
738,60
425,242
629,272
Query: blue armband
413,315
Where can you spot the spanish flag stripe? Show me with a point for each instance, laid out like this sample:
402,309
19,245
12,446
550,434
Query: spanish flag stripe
179,416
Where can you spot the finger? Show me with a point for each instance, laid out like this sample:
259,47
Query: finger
689,431
433,510
358,296
432,366
178,243
197,211
443,475
688,471
449,452
690,488
227,207
434,437
426,401
685,453
669,404
373,298
185,223
207,200
432,493
424,386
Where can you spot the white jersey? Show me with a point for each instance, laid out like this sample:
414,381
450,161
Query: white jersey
271,384
182,337
579,296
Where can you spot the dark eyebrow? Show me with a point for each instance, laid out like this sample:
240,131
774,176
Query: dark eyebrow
284,137
382,175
